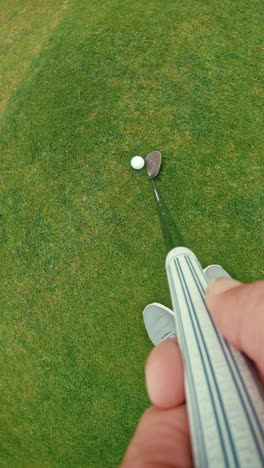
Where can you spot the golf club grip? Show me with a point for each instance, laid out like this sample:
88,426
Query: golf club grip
224,398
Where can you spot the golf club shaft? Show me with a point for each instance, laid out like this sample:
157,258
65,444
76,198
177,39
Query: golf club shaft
171,234
224,398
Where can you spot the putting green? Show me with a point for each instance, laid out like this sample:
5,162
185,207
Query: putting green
86,86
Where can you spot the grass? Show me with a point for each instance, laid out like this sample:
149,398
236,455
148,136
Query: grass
85,86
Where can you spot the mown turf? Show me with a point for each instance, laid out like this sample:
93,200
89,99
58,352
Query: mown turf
81,250
25,27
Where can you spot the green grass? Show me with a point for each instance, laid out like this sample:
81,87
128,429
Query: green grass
93,84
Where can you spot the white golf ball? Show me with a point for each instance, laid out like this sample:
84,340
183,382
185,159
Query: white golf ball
137,162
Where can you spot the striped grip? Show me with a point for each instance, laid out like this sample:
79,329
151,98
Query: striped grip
224,398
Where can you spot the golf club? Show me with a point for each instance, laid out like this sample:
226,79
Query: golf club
171,234
224,398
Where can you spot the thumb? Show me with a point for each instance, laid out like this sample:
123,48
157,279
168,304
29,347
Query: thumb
161,440
238,312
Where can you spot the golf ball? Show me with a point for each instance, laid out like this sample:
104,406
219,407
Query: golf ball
137,162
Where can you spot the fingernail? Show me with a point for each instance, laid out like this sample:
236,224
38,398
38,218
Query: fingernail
149,378
221,285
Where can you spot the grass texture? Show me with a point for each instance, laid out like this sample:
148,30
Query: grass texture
85,86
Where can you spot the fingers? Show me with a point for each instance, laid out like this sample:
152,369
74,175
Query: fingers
161,440
238,312
164,375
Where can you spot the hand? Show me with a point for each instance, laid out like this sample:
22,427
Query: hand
162,438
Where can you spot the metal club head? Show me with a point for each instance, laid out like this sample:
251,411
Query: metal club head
153,163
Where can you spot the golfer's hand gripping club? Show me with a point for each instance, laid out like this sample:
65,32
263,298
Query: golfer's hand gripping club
224,399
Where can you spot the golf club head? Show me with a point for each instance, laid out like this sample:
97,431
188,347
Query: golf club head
153,163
